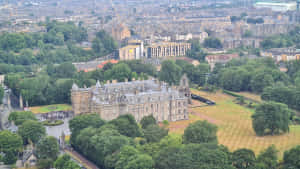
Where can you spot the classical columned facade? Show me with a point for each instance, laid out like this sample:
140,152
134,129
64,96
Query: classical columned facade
168,49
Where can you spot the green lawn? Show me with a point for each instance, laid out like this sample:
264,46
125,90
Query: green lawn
49,108
235,125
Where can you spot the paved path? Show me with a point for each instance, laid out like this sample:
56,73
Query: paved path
83,161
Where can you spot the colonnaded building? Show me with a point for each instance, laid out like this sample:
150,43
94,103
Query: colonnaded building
139,98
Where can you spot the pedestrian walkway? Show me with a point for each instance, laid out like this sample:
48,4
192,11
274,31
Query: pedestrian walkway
82,160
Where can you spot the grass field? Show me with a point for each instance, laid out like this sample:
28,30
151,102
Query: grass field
49,108
235,125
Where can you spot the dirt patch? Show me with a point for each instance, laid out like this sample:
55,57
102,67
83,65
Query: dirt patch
205,117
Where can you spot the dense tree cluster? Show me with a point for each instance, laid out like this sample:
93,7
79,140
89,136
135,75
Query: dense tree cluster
211,42
248,75
103,44
52,85
10,145
20,117
171,72
58,44
103,143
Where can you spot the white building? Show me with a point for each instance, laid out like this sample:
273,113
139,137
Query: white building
279,7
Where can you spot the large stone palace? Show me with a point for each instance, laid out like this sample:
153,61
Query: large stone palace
139,98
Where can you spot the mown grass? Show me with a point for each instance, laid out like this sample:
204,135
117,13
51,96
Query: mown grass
49,108
235,125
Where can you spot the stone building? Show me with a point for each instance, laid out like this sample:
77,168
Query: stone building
120,32
139,98
134,50
167,49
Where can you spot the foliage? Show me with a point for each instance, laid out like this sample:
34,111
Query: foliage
147,120
170,72
211,42
47,148
291,158
200,132
193,156
243,159
20,117
10,145
44,163
1,94
107,143
65,162
103,43
289,95
248,75
119,72
140,161
196,51
255,20
31,131
268,158
83,121
51,123
154,133
127,125
271,118
196,74
283,40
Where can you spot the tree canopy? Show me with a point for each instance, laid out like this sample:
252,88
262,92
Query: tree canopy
200,132
31,131
271,118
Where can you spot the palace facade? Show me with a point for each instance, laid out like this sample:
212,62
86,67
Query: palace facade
138,98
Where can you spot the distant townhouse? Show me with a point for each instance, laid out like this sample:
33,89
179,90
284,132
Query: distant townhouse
219,58
282,54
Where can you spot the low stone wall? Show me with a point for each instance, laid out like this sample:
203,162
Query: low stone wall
56,115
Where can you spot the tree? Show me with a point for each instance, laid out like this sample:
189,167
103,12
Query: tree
211,42
44,163
106,143
1,94
271,118
10,145
268,158
80,122
154,133
31,131
170,72
65,162
243,159
20,117
47,148
200,132
193,156
147,120
127,125
291,158
140,162
119,72
260,81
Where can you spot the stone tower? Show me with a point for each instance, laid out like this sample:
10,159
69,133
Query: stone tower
185,88
80,98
